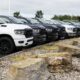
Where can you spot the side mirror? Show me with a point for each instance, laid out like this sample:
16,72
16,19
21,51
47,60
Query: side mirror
24,22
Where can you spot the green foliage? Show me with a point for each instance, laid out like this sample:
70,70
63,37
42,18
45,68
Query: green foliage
78,17
66,17
39,14
16,14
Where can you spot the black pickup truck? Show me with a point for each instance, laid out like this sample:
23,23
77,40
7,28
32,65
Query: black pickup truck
51,30
61,29
39,31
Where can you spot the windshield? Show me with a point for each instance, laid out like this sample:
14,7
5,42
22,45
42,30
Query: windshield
33,21
55,22
76,23
15,20
45,21
49,22
23,20
10,19
65,23
1,21
6,20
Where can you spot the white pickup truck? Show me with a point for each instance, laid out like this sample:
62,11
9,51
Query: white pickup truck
14,35
70,29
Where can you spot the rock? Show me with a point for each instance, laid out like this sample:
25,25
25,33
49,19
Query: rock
75,43
58,61
29,69
7,72
35,70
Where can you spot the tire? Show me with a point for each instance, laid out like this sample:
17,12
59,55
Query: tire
6,45
62,38
67,36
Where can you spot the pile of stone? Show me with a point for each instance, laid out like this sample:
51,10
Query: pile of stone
35,66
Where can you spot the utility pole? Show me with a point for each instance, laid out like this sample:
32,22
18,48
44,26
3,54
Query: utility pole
9,7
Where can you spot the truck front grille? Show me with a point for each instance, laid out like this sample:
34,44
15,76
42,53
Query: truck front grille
62,30
42,31
28,33
75,29
78,29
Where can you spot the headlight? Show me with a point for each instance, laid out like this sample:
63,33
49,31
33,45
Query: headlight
50,30
21,32
58,29
70,29
36,30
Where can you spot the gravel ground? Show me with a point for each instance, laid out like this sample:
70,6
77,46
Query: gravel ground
74,74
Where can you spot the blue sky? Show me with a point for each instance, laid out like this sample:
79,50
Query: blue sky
49,7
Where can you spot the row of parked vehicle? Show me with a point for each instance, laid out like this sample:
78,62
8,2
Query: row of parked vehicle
21,31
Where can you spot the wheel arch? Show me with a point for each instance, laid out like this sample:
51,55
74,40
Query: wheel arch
6,35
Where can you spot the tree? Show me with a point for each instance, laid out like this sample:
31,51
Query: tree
65,17
78,18
55,17
39,14
16,14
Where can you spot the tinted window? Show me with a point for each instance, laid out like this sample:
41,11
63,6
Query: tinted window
1,21
33,21
15,20
23,20
45,21
5,20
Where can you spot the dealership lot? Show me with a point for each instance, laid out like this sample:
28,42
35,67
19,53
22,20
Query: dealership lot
21,32
47,42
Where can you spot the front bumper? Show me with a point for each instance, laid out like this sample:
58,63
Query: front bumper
78,33
52,36
71,34
39,38
23,42
61,35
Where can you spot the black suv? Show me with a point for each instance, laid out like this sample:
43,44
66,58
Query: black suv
39,31
51,30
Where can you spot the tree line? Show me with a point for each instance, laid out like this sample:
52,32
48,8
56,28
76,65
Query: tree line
66,17
40,14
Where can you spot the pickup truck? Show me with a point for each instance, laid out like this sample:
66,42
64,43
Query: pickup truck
51,30
71,30
39,32
13,36
61,29
77,25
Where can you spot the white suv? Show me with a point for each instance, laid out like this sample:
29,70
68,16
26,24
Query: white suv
14,35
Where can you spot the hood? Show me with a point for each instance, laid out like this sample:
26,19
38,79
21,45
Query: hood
36,26
59,26
69,26
33,26
40,26
17,26
48,26
78,26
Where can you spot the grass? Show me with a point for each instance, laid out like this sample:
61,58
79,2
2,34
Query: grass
60,54
47,47
50,47
22,56
18,58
